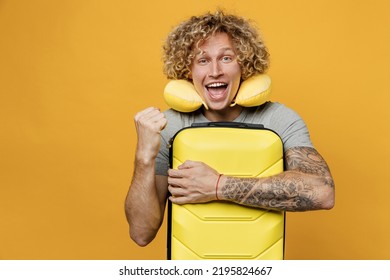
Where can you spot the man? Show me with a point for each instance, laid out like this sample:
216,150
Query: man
216,52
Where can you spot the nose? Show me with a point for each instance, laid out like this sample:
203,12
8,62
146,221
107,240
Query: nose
215,69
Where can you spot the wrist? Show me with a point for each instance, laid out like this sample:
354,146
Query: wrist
219,187
144,159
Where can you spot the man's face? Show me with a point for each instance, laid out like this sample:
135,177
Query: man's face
216,74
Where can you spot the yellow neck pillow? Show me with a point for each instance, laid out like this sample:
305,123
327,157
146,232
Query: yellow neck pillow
181,95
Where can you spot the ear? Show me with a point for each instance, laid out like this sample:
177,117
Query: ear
181,95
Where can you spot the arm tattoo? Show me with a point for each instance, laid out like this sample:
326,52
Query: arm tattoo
308,160
294,190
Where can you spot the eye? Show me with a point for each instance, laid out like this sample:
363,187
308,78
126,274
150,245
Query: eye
226,58
202,61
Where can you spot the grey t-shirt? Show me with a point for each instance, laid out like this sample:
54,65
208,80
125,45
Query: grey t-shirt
275,116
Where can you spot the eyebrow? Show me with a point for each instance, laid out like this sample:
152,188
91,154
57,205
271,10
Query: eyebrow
202,52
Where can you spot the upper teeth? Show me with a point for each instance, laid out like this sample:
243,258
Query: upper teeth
216,85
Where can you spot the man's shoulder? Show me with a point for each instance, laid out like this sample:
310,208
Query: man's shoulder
268,109
171,113
278,108
274,105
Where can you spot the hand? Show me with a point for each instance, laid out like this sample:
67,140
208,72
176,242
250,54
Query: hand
192,182
149,123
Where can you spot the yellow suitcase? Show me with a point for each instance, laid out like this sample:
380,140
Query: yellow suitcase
223,230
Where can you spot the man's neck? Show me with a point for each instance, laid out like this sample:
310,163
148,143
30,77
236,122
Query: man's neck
229,114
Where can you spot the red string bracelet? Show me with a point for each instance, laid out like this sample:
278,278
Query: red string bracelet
216,186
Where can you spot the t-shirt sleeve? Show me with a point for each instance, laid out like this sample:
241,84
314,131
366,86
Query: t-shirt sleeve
291,128
174,123
162,159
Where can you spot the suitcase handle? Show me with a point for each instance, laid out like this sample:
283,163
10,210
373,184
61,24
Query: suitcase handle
228,124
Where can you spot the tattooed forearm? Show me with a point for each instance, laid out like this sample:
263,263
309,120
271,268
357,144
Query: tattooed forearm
237,189
285,192
305,185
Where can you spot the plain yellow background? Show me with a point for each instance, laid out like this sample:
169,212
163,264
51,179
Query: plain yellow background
74,73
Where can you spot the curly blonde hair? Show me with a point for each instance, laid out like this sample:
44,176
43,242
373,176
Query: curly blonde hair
178,50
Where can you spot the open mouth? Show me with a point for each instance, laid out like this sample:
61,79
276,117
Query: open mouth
216,90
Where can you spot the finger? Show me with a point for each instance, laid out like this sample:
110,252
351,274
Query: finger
180,200
175,191
178,182
157,119
174,173
153,119
144,112
188,164
162,123
149,115
153,116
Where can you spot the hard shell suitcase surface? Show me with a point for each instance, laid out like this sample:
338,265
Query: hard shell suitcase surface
224,230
